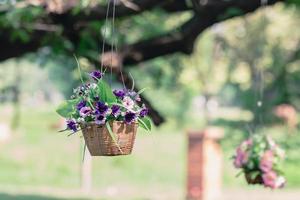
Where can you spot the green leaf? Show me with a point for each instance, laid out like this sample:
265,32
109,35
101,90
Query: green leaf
238,174
250,165
133,83
66,108
145,123
105,92
112,135
254,174
142,90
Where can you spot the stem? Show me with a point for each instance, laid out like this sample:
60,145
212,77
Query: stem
79,70
112,135
133,84
89,101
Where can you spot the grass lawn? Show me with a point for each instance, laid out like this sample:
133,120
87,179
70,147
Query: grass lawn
39,160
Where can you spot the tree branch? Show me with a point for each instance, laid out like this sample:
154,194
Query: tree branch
178,41
175,6
99,12
183,41
213,7
16,48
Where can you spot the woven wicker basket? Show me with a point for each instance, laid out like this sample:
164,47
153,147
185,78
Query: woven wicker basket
100,143
252,181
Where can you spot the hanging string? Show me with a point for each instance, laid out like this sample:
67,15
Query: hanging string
260,87
260,102
112,39
115,42
103,50
114,47
104,34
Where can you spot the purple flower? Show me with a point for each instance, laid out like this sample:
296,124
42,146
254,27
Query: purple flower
119,93
71,124
115,110
131,93
81,104
96,98
144,112
85,111
96,75
129,117
100,119
101,107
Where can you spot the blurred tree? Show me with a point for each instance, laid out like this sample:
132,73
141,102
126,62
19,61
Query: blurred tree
272,66
69,27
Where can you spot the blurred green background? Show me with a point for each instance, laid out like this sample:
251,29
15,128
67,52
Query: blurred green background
218,85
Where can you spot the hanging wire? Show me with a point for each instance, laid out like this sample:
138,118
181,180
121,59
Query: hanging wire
121,65
103,49
114,46
259,89
104,34
113,39
260,102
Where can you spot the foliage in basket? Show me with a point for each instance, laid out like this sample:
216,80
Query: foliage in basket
260,158
95,102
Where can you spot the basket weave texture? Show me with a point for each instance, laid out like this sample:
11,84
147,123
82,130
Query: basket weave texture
100,143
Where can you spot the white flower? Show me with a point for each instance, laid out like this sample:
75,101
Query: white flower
108,111
280,182
93,85
80,120
128,103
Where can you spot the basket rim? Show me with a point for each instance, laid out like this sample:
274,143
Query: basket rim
113,121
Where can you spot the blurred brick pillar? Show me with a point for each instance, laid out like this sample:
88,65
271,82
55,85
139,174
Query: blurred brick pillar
204,170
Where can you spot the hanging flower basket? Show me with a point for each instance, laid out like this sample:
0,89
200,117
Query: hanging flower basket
252,180
260,159
100,143
108,118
